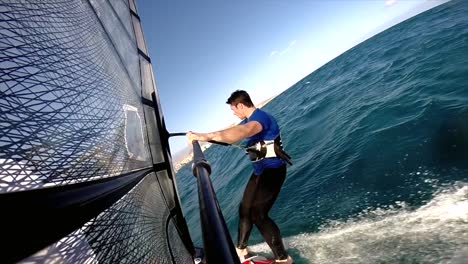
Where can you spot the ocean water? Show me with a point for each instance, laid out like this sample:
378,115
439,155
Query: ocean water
379,140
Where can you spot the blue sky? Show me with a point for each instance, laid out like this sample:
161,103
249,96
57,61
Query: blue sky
204,50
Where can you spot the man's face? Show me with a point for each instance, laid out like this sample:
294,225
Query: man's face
237,110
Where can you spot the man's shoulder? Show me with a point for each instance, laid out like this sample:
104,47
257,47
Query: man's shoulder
262,115
259,113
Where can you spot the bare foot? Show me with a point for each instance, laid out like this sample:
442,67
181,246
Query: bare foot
242,253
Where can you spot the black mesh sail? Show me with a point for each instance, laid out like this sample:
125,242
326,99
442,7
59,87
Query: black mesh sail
85,167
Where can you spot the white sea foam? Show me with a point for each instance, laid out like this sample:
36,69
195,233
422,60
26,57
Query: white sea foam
436,232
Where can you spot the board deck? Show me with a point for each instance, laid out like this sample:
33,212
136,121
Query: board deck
258,260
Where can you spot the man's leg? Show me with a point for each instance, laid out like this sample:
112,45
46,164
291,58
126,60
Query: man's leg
245,216
269,186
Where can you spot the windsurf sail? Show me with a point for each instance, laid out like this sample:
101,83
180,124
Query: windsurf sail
85,166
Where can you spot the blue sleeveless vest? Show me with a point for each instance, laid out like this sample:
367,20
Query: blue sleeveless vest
269,132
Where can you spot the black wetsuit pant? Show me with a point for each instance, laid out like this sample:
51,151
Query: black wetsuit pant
259,195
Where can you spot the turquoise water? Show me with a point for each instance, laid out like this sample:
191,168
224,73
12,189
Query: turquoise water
379,140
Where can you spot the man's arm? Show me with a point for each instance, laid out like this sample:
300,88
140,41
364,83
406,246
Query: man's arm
229,135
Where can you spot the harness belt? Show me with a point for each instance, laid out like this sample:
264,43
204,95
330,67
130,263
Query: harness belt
268,149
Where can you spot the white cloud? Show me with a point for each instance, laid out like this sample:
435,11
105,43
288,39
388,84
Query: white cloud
291,44
390,2
275,52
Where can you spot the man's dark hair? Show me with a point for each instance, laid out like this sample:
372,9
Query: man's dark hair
240,96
